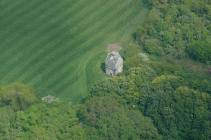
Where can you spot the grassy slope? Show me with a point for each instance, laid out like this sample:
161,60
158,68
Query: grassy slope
58,46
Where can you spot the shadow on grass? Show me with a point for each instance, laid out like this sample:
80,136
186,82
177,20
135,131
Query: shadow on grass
102,66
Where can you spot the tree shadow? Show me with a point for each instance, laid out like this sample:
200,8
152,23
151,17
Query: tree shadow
134,36
102,66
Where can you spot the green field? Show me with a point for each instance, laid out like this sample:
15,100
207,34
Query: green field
57,46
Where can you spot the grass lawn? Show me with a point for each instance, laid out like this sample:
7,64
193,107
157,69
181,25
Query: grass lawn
58,47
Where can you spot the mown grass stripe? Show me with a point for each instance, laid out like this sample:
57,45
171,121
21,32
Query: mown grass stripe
26,45
50,14
46,55
66,51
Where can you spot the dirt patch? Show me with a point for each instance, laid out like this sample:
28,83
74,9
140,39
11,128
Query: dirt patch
209,70
113,47
196,66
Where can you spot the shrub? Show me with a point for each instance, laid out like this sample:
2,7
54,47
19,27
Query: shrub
200,51
17,96
152,46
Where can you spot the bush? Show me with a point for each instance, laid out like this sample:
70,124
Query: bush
200,51
17,96
152,46
106,119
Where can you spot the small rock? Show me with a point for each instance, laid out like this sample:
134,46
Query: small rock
50,99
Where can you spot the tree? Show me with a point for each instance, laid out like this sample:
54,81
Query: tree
17,96
106,119
7,124
200,51
49,122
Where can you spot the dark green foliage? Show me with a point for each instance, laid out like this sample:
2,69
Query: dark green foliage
173,26
106,119
194,109
200,51
178,111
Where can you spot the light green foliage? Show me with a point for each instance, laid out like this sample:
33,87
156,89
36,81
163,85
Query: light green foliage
126,87
23,117
13,98
17,96
164,78
49,122
152,46
131,55
173,80
7,124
